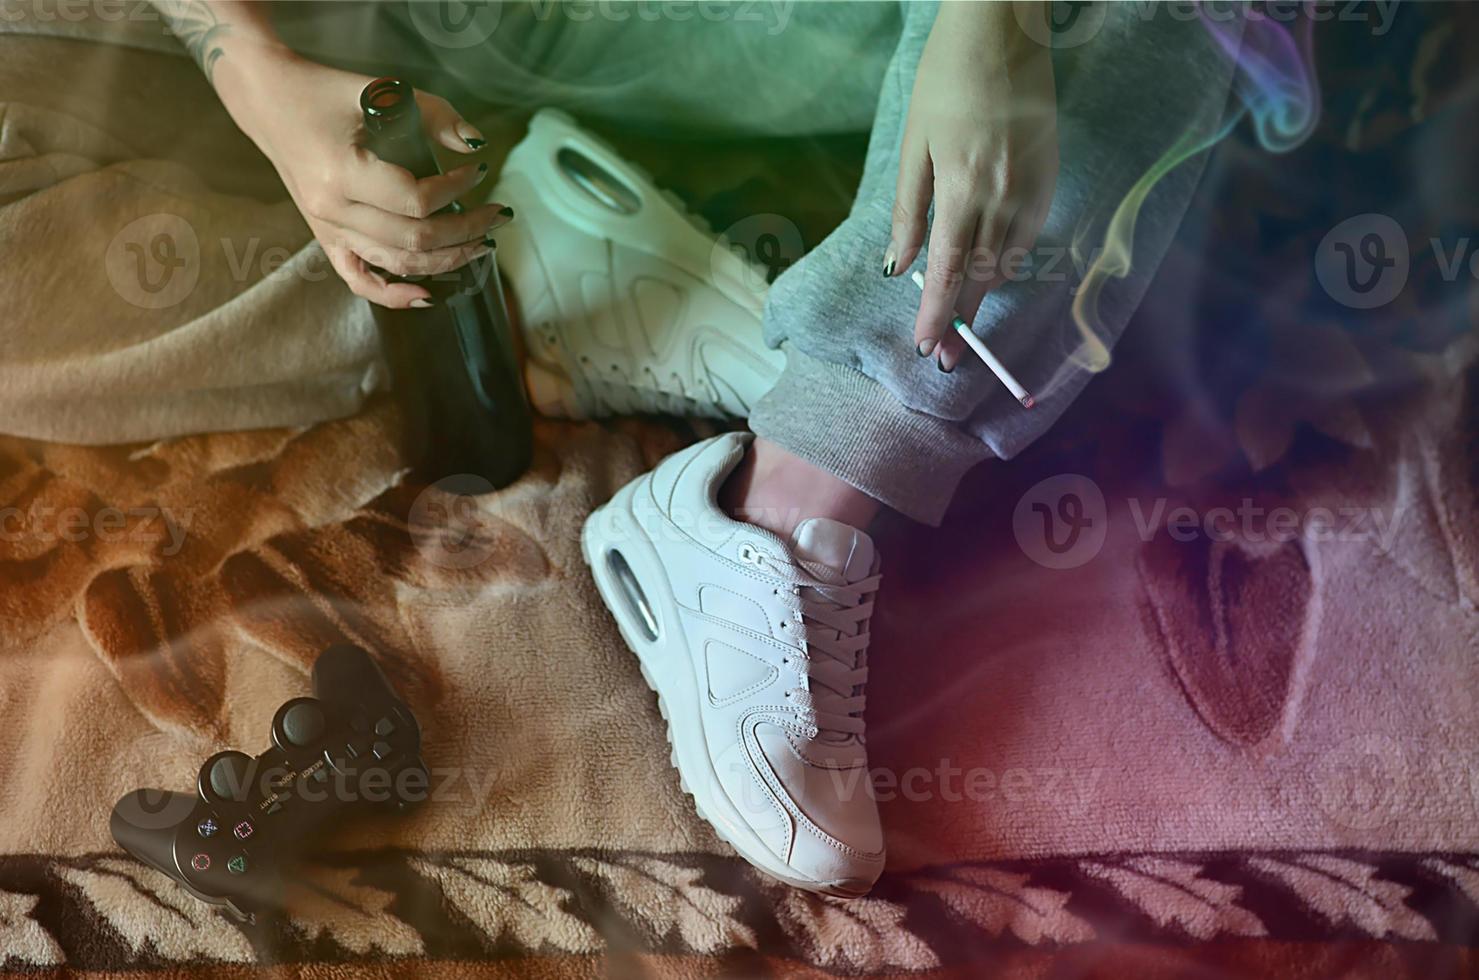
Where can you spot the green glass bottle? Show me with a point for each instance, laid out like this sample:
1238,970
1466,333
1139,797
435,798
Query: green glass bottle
452,366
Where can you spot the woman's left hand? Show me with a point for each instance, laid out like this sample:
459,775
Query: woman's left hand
981,142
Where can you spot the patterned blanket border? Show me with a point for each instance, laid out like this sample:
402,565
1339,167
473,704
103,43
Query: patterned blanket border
106,911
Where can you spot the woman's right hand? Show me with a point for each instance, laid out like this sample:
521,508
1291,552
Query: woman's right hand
364,212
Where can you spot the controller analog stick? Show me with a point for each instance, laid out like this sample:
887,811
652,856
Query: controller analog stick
304,724
229,776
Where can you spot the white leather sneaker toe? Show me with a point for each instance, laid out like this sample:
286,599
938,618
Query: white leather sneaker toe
757,649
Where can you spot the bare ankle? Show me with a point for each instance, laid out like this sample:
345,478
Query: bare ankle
777,490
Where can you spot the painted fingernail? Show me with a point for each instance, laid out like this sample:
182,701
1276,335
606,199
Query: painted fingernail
490,242
421,303
506,211
890,260
943,369
482,170
471,136
926,347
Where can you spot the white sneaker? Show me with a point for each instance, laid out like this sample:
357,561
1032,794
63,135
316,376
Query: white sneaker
627,306
757,649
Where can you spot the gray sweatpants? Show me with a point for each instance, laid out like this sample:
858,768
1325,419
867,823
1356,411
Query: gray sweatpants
1133,80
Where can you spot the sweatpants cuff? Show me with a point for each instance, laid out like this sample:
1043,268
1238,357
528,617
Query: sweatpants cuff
851,426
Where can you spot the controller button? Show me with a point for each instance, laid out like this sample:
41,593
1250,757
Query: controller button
237,865
384,727
208,827
274,808
304,724
360,723
321,774
351,750
243,830
230,777
382,750
201,862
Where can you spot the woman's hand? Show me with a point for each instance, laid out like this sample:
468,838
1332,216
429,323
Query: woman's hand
364,212
981,142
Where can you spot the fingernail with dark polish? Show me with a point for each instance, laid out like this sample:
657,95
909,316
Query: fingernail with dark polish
926,347
421,303
482,169
474,142
890,261
490,243
506,211
943,368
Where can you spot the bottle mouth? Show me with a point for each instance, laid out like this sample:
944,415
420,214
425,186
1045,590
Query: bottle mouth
385,101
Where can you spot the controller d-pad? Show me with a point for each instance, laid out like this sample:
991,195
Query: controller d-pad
304,724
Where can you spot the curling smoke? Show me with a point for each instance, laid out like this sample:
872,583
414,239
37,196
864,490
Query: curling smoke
1276,87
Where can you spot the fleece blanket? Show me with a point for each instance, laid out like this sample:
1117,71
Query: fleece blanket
1191,685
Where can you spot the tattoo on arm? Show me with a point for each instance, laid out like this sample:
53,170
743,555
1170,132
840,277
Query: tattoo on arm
196,26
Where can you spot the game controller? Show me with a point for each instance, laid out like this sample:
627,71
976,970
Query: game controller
354,743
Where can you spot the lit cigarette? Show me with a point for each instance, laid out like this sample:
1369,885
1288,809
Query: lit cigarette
984,353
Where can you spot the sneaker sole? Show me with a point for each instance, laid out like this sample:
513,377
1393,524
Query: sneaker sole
686,752
693,245
687,242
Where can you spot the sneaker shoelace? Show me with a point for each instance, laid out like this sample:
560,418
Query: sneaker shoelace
834,615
